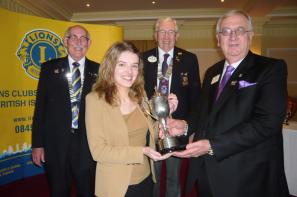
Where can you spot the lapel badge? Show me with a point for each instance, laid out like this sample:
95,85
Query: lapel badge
152,59
233,83
184,79
240,75
56,71
95,75
215,79
177,57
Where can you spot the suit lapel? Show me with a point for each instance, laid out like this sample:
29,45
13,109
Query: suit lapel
87,78
90,76
152,72
232,85
177,54
64,65
215,81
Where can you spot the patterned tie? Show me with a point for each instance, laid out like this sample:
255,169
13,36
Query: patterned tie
226,77
164,83
76,81
164,64
76,93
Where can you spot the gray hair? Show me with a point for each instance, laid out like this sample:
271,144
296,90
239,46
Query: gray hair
68,31
231,13
165,19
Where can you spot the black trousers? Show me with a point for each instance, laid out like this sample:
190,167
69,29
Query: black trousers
172,189
143,189
203,185
61,177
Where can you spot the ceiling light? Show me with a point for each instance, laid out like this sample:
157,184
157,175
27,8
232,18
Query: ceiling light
222,1
88,5
154,2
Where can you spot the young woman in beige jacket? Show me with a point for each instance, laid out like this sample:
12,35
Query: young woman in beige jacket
121,135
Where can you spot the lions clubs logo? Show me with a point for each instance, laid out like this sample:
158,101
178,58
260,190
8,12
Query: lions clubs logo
39,46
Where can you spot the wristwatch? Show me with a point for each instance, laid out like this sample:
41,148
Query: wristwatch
210,151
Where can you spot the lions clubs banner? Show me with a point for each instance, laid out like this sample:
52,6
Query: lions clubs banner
27,42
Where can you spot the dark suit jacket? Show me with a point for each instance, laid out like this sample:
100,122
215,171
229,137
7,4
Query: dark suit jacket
52,120
185,82
244,127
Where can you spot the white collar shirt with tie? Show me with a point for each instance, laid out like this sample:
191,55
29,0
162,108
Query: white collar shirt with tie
234,65
81,66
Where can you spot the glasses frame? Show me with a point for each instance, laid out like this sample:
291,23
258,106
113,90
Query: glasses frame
168,32
82,39
237,32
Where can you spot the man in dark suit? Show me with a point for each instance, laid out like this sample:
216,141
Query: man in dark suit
237,149
59,134
180,77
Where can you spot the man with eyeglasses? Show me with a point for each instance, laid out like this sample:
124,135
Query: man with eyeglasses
237,149
170,69
59,141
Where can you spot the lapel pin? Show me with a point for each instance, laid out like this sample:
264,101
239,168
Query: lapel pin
215,79
93,74
56,71
233,83
240,75
185,79
152,59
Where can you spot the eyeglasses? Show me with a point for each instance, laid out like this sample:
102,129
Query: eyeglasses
74,38
238,32
164,32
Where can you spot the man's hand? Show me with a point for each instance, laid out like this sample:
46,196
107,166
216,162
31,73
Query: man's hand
173,102
194,149
176,127
38,156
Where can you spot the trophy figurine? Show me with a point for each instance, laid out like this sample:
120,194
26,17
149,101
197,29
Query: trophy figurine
159,109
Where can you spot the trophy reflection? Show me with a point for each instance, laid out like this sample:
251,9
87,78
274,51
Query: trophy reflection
159,108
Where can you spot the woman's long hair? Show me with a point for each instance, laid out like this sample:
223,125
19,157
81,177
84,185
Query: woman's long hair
105,85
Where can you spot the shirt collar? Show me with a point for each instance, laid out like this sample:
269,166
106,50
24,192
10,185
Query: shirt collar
162,52
81,61
234,65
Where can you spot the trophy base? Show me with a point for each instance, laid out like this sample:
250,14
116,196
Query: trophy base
172,149
169,144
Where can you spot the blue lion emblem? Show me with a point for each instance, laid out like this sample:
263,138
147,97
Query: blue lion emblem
39,46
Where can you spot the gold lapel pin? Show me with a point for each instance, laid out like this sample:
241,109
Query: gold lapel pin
233,83
185,79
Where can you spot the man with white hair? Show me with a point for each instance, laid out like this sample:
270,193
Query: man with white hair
172,70
237,149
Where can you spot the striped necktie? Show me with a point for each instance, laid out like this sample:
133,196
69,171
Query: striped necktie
76,94
76,81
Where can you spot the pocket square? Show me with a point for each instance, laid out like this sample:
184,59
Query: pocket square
244,84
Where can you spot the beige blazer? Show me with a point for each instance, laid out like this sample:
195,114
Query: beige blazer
109,145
